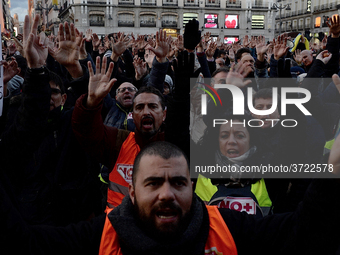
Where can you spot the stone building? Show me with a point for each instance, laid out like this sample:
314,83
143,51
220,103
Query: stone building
228,19
306,16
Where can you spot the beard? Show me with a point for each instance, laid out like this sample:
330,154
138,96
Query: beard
166,232
148,133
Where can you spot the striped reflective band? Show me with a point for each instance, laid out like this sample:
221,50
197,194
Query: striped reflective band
119,188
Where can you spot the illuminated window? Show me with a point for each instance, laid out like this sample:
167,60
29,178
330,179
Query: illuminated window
317,21
257,21
211,21
231,21
189,16
230,39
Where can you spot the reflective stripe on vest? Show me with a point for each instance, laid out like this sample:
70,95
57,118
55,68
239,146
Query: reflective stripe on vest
121,175
220,240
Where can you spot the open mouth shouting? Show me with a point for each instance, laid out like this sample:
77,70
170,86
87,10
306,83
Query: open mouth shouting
232,153
147,123
127,99
167,215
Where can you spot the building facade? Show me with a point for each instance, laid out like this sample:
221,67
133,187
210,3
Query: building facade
228,19
307,16
48,10
6,21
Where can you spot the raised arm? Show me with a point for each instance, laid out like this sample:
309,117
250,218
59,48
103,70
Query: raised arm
97,139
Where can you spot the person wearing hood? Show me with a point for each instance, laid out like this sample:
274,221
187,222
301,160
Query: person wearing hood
168,84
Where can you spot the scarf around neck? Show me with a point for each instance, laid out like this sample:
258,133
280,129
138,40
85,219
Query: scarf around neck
236,162
135,240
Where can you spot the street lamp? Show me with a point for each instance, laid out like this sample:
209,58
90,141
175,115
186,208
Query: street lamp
39,7
280,7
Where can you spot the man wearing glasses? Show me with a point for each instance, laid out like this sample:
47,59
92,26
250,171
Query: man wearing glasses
120,108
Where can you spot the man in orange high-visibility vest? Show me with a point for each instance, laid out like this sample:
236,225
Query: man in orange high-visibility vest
161,198
107,142
162,215
117,149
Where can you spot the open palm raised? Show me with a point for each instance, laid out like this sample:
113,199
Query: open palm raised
100,83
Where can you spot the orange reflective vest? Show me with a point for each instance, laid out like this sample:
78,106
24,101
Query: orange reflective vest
121,175
219,242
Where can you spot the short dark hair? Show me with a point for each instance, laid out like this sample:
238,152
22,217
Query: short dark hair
22,63
263,93
211,134
163,149
241,51
266,93
223,69
151,90
57,80
220,52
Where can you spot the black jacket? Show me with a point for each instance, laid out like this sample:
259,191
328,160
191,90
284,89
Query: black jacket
304,232
58,185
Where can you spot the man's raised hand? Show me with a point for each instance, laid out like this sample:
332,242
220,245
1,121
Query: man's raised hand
119,46
68,51
35,46
162,46
100,83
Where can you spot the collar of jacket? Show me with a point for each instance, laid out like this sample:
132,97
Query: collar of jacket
136,239
126,110
142,141
55,115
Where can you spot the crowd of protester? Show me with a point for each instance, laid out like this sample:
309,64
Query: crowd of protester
78,109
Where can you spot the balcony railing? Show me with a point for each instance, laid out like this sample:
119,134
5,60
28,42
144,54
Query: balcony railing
170,3
167,23
126,2
63,9
191,3
301,27
148,2
325,7
97,23
259,6
125,23
144,23
212,3
96,2
233,4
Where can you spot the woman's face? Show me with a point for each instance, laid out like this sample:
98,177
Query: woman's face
233,141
